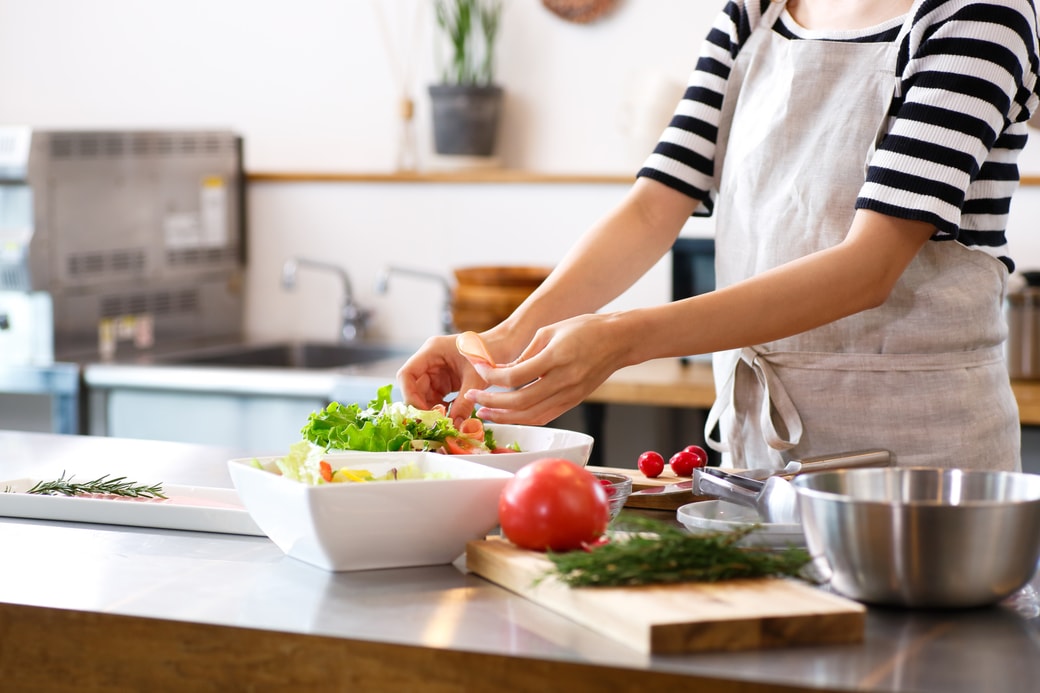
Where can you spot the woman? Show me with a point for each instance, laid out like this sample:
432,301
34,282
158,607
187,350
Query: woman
860,158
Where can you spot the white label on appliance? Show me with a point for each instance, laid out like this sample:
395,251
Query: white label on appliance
181,230
213,212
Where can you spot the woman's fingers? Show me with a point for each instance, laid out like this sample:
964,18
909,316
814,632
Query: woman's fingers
551,377
432,373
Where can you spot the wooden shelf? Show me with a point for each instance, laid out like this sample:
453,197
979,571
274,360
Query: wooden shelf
476,175
473,175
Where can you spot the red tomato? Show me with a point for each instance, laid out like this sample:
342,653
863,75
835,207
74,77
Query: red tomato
326,470
651,464
461,446
553,504
684,462
701,454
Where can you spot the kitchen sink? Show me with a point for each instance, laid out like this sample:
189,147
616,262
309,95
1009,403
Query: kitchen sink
305,355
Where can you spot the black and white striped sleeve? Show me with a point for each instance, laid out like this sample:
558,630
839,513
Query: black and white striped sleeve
684,157
967,85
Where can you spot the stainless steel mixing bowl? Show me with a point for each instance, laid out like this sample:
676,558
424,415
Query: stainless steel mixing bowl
919,537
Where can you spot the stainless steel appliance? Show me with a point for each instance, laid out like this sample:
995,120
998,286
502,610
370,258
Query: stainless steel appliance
133,235
117,241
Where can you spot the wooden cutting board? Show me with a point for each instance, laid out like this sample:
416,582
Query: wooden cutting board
684,618
660,501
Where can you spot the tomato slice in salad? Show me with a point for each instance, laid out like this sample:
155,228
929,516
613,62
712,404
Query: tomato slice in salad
462,446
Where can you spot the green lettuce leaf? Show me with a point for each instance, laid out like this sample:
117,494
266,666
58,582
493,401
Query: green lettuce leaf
382,426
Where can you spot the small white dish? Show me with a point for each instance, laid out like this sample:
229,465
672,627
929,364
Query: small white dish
376,524
702,517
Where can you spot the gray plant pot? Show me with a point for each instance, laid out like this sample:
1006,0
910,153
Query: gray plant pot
465,119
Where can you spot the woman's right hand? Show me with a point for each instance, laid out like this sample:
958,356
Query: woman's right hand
435,371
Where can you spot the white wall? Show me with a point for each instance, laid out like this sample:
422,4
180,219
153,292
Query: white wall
309,85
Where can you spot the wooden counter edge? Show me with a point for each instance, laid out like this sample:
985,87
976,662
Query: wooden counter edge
65,650
671,383
1027,394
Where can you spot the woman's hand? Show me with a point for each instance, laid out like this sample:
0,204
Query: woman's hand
561,366
436,371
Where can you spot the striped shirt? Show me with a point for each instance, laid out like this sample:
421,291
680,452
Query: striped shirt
957,121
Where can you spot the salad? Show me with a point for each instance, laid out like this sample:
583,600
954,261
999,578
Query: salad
382,426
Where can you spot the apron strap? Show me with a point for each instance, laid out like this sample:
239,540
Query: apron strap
774,405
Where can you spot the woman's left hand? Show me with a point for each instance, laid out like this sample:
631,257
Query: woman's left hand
563,364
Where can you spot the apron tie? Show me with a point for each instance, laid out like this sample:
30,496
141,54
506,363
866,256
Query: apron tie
774,406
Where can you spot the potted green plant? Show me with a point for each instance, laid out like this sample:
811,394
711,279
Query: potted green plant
466,104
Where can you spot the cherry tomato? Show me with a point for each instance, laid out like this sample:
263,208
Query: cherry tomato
326,470
684,462
553,504
700,452
607,487
651,464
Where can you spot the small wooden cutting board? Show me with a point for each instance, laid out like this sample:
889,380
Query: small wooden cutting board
658,501
683,618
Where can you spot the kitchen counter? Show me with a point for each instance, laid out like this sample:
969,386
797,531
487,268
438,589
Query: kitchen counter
667,382
59,381
96,607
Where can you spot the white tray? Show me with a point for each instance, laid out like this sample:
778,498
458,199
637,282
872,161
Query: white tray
193,508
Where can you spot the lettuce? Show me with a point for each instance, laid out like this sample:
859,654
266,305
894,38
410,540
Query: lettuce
302,463
383,426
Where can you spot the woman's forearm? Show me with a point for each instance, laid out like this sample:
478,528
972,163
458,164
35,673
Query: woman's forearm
606,261
855,275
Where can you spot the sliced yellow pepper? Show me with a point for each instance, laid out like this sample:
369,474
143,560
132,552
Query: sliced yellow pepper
352,475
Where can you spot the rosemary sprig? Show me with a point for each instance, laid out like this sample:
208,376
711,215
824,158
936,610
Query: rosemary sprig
115,487
659,553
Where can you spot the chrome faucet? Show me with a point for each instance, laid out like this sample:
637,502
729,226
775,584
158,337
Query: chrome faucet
355,318
383,285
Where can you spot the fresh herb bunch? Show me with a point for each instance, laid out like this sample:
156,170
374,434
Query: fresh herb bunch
471,29
119,486
659,553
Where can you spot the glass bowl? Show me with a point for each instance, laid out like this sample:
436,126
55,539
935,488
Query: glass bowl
618,487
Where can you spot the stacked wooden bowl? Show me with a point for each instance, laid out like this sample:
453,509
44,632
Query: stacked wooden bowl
485,296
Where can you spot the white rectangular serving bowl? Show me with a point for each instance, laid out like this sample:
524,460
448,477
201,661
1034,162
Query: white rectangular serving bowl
372,525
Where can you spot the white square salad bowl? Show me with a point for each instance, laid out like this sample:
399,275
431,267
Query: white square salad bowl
374,524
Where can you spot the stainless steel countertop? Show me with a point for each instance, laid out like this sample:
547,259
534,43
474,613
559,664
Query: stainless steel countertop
159,369
57,379
230,580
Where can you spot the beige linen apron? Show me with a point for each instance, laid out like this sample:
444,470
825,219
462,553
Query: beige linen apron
922,375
